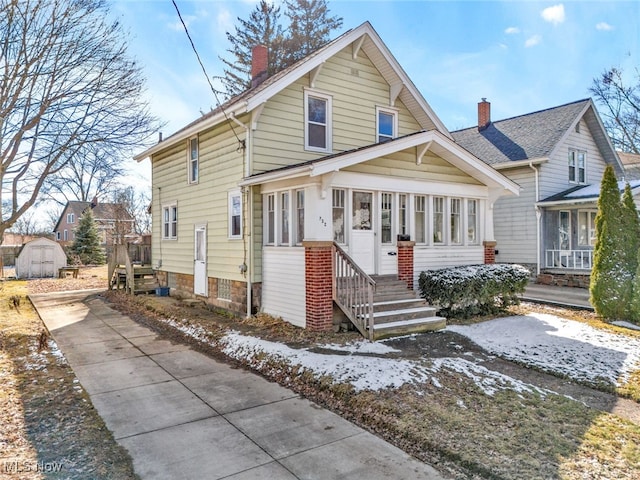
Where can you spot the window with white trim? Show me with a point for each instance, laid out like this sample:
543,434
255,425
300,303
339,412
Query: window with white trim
587,228
386,124
284,218
403,227
271,219
317,131
193,159
71,218
170,222
66,235
420,217
472,222
338,215
299,196
235,214
455,210
438,220
58,235
577,166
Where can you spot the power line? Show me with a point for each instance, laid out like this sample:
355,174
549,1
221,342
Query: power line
215,94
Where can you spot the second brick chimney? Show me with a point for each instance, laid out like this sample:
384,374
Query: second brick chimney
484,114
259,64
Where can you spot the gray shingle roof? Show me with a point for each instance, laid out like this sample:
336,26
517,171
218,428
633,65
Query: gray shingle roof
529,136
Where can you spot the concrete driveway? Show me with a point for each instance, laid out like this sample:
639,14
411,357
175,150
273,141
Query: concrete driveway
183,415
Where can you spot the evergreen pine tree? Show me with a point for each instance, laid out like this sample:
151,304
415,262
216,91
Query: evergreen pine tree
86,244
309,29
262,28
608,275
629,244
634,307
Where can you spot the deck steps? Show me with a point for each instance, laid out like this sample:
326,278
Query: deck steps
398,310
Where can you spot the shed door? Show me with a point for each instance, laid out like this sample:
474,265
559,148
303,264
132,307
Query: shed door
41,264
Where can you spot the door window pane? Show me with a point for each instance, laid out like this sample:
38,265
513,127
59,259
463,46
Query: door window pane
361,211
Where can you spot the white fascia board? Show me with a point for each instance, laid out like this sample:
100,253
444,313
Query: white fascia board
283,174
520,163
576,201
233,110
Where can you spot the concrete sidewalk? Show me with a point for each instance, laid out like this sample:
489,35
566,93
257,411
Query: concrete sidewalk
183,415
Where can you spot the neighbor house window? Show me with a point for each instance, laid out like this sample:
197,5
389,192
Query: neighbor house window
472,221
338,216
587,228
71,218
317,122
193,160
386,208
57,235
66,235
455,217
235,215
577,166
284,218
564,230
438,220
299,217
170,222
386,123
271,218
420,218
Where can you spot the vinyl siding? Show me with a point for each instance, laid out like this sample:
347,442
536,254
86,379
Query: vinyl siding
283,287
554,175
279,138
515,221
220,168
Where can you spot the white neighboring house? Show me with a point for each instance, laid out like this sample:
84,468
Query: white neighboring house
558,157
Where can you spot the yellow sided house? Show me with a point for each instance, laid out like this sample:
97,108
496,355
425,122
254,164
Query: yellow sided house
320,194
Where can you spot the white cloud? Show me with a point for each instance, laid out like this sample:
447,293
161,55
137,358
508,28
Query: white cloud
177,25
533,41
603,26
512,30
554,14
224,20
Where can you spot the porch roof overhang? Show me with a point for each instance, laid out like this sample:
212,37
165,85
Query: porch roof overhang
583,194
424,141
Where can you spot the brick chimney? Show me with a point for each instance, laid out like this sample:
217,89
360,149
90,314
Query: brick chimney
94,201
484,114
259,63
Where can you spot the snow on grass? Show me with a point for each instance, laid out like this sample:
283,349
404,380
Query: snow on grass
558,345
361,347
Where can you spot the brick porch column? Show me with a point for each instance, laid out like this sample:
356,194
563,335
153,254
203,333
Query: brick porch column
318,272
489,251
405,262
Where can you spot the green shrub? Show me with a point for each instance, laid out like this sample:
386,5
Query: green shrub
474,289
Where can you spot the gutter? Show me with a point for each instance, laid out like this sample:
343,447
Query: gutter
538,216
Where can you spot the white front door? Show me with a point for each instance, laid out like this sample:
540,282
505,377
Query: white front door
200,283
363,242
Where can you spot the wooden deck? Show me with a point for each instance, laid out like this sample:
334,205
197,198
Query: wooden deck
133,278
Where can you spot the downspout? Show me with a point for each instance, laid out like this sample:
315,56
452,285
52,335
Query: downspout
538,217
247,264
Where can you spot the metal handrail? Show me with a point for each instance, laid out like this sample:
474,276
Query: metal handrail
353,291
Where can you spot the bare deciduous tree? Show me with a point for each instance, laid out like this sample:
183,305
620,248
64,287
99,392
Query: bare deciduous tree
620,100
66,86
136,203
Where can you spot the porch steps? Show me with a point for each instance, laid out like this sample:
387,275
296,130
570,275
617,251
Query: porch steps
399,311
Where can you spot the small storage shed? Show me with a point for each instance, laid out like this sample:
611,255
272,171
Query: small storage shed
40,258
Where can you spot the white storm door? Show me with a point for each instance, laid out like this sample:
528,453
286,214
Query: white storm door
200,283
363,242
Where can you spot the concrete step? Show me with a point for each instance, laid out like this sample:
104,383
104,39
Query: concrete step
407,327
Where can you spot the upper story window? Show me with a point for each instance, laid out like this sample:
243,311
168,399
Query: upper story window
577,166
170,222
71,218
235,215
386,125
317,131
193,160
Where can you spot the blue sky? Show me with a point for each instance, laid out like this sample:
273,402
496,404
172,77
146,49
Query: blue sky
522,56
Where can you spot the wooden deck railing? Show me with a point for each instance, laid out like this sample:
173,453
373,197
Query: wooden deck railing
353,291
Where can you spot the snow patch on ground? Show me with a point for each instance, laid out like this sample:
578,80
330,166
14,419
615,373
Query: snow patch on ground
361,347
558,345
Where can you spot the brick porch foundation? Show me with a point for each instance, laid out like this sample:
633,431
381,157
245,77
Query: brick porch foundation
405,262
489,252
318,270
